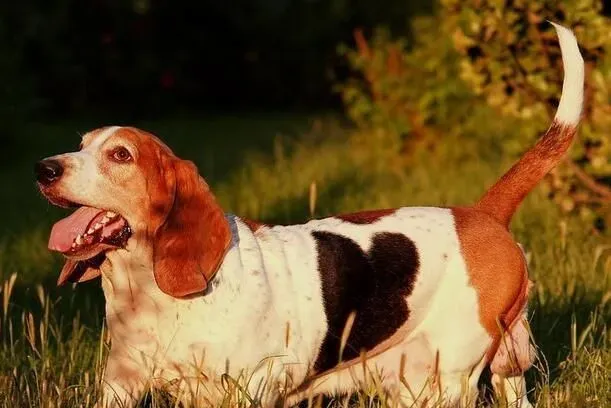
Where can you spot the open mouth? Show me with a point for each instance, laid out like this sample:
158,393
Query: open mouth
87,233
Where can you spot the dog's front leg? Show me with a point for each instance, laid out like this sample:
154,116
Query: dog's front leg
116,394
124,381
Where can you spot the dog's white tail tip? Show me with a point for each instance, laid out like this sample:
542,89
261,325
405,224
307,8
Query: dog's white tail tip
571,101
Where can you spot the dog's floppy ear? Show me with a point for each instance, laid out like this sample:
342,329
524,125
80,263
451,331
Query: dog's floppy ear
191,241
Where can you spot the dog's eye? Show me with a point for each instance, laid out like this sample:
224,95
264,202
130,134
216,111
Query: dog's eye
121,154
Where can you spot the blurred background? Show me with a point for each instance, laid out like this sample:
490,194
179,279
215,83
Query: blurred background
144,58
201,73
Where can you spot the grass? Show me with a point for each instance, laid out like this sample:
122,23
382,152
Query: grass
52,341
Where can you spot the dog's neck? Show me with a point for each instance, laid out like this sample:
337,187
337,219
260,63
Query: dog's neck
130,288
130,269
126,272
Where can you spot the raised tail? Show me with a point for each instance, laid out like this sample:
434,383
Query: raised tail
503,198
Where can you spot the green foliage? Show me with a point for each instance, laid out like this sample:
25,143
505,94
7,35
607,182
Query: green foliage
120,57
509,55
401,89
501,58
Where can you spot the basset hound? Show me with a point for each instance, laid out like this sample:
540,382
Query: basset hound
421,299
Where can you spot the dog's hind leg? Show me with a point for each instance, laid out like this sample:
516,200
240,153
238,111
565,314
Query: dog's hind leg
513,357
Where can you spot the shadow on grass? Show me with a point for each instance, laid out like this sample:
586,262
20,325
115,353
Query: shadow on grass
551,327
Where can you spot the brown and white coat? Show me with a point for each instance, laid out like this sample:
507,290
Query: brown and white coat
423,297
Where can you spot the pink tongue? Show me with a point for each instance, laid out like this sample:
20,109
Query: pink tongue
66,230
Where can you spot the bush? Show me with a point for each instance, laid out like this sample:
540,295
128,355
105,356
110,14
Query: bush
479,55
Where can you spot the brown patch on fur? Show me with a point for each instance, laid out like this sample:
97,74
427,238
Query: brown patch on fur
373,284
187,226
190,244
253,225
496,267
503,198
362,217
365,217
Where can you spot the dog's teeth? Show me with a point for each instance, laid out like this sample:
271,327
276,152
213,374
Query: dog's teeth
79,239
97,226
104,220
74,245
91,231
111,214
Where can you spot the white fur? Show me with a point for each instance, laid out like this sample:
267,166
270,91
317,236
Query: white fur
571,101
105,134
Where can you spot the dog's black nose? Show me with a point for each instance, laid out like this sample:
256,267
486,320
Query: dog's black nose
48,171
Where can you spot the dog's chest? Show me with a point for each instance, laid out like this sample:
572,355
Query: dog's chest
234,324
174,335
138,314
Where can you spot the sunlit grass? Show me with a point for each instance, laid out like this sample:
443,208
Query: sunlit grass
53,343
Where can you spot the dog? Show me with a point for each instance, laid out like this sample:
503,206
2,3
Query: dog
421,298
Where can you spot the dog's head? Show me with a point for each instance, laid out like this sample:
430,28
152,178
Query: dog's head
127,185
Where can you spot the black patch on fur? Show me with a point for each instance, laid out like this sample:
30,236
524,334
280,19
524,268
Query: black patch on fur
373,284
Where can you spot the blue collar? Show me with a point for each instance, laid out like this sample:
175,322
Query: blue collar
233,227
235,239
